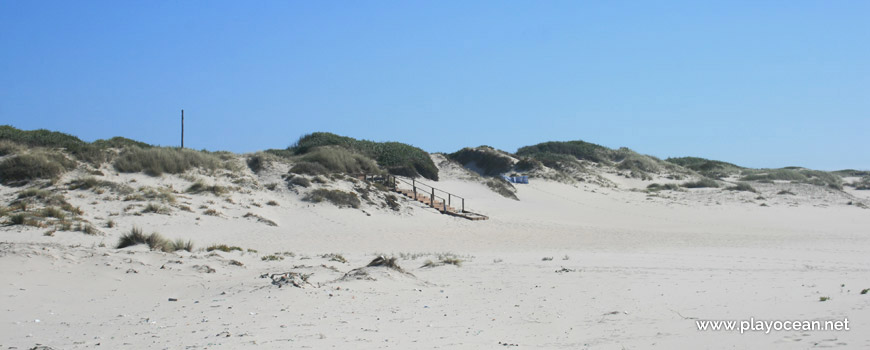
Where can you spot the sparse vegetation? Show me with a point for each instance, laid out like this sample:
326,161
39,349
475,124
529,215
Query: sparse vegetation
272,257
709,168
211,212
154,241
793,174
743,187
824,298
786,192
223,247
865,291
272,203
502,187
334,257
200,187
702,183
337,197
655,187
156,209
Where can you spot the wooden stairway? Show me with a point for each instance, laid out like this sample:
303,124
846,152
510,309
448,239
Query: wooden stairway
440,205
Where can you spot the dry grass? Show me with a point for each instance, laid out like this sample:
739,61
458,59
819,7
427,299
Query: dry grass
159,160
337,197
200,187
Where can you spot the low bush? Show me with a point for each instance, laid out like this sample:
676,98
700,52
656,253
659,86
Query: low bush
655,187
397,158
298,181
337,197
199,187
222,247
577,149
487,160
742,186
702,183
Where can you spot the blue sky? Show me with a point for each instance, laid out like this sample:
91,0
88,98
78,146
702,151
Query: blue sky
757,83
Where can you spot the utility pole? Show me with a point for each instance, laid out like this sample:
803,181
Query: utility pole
182,129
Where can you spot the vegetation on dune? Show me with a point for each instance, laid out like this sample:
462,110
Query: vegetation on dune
502,187
655,187
155,161
396,158
793,174
578,149
702,183
710,168
200,187
154,241
334,159
337,197
81,150
742,186
488,160
34,165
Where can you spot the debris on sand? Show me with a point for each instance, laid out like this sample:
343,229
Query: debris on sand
381,261
294,279
204,269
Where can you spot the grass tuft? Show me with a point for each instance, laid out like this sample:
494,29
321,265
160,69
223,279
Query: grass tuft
337,197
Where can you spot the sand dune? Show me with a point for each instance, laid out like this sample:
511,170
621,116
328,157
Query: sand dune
568,265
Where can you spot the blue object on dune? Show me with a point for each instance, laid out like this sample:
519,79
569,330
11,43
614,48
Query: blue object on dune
516,179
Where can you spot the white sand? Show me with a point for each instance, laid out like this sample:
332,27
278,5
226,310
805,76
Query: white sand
641,269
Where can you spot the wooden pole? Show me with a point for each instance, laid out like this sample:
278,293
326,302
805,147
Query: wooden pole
432,199
463,205
182,129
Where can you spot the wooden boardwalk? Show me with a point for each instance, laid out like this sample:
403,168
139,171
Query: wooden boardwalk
428,195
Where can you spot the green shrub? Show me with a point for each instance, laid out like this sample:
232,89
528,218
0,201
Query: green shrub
222,247
702,183
794,174
395,157
337,197
299,181
528,164
488,160
51,139
158,160
577,149
709,168
655,187
309,168
8,147
258,161
742,186
17,219
199,187
34,165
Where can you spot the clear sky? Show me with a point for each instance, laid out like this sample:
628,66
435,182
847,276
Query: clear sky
757,83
